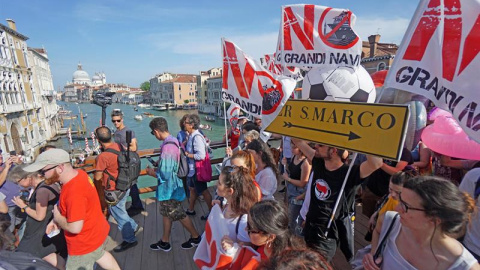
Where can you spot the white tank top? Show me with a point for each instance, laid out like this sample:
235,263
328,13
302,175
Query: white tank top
393,260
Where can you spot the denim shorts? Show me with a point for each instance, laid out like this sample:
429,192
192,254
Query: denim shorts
199,187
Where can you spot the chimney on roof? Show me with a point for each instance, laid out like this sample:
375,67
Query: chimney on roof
373,40
11,24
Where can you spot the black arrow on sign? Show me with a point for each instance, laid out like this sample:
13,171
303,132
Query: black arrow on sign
351,135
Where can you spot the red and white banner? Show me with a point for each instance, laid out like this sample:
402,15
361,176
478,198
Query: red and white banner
438,59
233,113
276,68
248,84
318,36
210,254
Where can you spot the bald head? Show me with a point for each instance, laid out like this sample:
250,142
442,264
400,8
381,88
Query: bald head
104,134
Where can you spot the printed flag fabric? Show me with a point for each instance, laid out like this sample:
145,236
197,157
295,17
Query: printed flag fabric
276,68
233,113
248,84
210,254
318,36
438,59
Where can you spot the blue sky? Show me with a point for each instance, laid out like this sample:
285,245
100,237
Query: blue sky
131,41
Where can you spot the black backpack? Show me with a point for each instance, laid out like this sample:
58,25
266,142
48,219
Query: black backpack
183,163
128,168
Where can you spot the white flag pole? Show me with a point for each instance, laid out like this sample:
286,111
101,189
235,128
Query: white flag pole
332,217
224,104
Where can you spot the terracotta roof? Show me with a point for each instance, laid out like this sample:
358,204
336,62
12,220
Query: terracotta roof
183,79
382,49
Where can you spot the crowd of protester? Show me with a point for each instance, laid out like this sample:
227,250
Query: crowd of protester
422,210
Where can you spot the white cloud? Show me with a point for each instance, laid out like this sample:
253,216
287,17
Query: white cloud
391,29
208,42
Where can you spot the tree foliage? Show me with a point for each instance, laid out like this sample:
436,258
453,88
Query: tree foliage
145,86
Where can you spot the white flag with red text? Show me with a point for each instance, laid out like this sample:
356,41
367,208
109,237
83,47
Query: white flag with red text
438,59
318,36
276,68
248,84
210,254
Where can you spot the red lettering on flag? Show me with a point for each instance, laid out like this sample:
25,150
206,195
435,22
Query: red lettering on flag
242,81
471,46
305,35
452,35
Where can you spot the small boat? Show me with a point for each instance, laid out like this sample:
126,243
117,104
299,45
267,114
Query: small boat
135,108
145,106
209,118
138,117
85,116
147,114
205,127
159,107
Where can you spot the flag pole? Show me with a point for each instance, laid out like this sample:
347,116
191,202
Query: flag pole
224,104
332,217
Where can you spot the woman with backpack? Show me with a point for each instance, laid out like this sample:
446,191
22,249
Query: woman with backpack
39,213
196,150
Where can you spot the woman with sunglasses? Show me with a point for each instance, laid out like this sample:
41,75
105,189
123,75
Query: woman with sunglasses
235,185
39,213
433,212
268,229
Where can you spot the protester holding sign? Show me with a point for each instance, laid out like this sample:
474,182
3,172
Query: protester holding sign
323,189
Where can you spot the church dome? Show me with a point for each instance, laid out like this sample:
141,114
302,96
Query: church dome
96,78
80,75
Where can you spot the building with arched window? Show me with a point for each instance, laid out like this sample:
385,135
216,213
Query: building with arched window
377,56
27,105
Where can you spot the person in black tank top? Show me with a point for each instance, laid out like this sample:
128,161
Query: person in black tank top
297,179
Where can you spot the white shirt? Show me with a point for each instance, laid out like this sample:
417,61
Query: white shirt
472,237
267,181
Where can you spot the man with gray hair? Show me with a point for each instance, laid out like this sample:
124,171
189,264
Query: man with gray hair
78,212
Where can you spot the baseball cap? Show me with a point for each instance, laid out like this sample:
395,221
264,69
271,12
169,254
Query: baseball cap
50,157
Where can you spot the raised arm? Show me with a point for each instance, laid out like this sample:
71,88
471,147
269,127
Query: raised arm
305,148
372,164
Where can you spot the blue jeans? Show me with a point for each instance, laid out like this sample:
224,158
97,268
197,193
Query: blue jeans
125,223
135,195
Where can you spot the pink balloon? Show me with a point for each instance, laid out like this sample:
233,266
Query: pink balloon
445,136
436,112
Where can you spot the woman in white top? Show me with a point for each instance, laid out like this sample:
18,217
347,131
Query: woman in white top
433,212
235,185
267,171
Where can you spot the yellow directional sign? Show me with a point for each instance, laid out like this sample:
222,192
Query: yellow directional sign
376,129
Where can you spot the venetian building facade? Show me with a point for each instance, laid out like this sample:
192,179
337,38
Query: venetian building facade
377,56
20,101
203,105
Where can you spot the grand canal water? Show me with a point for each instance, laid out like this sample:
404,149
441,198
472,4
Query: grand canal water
142,131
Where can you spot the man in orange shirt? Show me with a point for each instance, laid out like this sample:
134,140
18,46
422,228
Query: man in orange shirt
106,165
78,213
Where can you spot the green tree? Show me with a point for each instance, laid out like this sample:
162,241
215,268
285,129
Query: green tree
186,101
145,86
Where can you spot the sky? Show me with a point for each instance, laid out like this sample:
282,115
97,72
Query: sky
131,41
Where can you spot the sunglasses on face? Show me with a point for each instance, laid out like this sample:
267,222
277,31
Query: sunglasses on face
249,230
406,207
116,121
152,132
43,171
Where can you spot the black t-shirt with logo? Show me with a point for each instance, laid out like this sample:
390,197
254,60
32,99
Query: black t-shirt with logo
379,180
324,191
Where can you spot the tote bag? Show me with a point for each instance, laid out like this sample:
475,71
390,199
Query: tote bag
203,168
